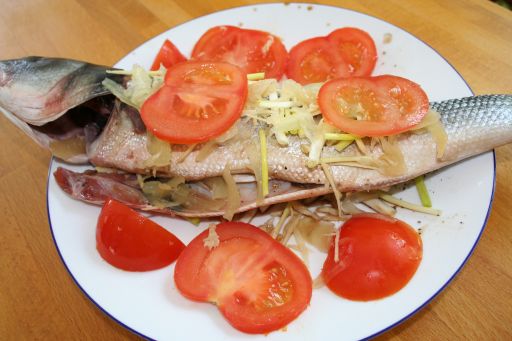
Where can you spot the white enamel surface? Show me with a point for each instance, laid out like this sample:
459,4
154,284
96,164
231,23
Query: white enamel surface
149,304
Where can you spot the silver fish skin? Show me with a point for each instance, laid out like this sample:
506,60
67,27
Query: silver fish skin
35,91
38,90
473,125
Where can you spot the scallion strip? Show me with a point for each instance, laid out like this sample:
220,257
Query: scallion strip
339,137
256,76
264,162
408,205
422,191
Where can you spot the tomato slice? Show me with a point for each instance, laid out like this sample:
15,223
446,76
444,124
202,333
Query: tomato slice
199,101
343,53
167,56
378,255
314,60
257,283
357,49
251,50
130,241
373,106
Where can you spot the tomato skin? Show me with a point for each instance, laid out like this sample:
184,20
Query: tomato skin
378,255
345,52
199,101
130,241
313,61
251,50
357,49
407,96
385,105
241,273
167,56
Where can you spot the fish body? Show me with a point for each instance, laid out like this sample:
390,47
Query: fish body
473,125
37,92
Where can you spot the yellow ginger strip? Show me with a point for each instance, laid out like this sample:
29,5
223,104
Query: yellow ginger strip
346,159
233,201
339,137
301,246
187,152
264,162
361,146
330,179
194,221
337,246
340,146
281,221
206,150
410,206
256,76
289,228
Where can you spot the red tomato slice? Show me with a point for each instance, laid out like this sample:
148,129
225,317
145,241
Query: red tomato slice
343,53
357,49
378,255
257,283
313,61
198,101
251,50
373,106
130,241
167,56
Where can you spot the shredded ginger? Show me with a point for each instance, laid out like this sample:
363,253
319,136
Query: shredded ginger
233,200
141,85
212,241
289,109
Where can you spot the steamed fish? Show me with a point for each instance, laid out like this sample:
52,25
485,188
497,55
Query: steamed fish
63,106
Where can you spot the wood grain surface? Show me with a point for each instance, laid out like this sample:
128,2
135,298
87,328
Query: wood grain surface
38,298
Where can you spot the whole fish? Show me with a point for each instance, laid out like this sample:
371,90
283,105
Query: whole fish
115,138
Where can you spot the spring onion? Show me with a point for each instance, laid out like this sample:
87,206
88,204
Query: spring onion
264,162
256,76
422,191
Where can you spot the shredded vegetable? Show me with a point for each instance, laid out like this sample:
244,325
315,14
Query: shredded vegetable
233,201
212,240
264,162
289,228
159,150
337,245
410,206
282,219
141,85
189,150
194,221
339,137
301,246
422,191
206,150
330,179
256,76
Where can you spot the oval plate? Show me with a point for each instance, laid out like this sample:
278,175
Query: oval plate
148,303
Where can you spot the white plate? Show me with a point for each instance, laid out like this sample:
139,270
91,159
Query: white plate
148,303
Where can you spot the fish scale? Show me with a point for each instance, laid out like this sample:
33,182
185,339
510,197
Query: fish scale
475,123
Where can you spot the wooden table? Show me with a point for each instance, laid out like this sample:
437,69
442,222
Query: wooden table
38,299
